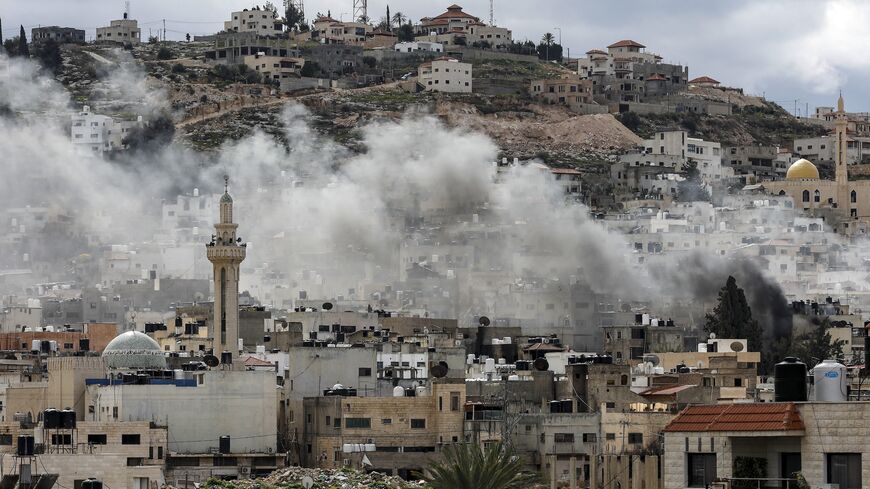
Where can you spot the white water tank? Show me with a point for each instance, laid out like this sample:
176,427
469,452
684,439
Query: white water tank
489,365
36,345
398,391
830,382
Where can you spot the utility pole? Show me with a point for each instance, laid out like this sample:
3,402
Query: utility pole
164,30
491,12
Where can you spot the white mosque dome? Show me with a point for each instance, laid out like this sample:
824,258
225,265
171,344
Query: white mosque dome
134,350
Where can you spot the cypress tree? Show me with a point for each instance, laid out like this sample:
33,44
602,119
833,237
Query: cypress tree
732,317
23,50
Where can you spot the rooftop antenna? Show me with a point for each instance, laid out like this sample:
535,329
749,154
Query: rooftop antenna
491,12
127,9
226,183
361,11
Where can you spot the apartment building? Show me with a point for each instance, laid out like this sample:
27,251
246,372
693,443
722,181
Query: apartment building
263,22
445,75
93,133
120,31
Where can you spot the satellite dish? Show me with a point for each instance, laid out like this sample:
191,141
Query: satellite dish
439,371
653,359
736,346
484,321
541,364
327,306
211,360
307,482
712,336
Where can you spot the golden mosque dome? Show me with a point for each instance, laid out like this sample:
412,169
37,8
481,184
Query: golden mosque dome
802,169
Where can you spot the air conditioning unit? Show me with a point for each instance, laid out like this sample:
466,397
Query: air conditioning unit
244,469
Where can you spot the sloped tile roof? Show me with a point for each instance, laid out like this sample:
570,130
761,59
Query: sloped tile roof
738,417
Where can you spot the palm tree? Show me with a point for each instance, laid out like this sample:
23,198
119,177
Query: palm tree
398,18
548,39
468,466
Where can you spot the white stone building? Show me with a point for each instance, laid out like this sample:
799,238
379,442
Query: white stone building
274,68
419,46
261,21
445,75
95,134
122,31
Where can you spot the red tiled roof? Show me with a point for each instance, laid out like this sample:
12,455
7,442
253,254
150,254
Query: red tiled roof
738,417
256,362
595,51
455,12
626,43
566,171
703,79
656,77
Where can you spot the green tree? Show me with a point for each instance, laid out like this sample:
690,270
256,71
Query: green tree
389,20
692,188
187,37
23,49
548,39
630,120
48,53
467,466
151,136
399,19
732,317
164,53
749,468
816,345
405,33
293,18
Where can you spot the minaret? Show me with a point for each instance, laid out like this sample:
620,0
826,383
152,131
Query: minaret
226,253
841,145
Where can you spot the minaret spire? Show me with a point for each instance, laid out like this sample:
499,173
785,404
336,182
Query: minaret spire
226,253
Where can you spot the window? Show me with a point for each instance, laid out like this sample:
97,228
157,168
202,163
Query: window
97,439
418,423
5,439
635,438
130,439
336,423
357,423
844,469
610,436
854,197
817,197
702,469
454,401
806,196
365,372
134,461
590,437
563,437
387,421
61,439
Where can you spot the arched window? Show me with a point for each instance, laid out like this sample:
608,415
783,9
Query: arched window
806,196
623,380
854,197
817,196
782,192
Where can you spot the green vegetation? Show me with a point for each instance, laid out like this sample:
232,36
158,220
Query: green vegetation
749,468
164,54
732,317
468,466
817,345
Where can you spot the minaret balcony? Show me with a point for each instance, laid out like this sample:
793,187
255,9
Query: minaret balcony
220,252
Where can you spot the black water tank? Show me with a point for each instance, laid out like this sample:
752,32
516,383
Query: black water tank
51,419
91,484
68,419
224,444
84,344
790,381
25,445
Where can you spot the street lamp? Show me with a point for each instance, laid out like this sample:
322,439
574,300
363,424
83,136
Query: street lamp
560,34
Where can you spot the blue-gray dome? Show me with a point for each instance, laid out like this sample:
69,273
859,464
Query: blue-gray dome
134,350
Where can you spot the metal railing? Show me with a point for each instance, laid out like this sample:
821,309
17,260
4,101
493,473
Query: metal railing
761,482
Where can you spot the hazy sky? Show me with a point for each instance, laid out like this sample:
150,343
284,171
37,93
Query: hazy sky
786,49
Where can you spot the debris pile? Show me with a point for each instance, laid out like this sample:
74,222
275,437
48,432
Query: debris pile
295,477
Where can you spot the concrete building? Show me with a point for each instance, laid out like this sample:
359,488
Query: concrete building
120,31
397,435
445,75
566,90
825,442
274,68
454,22
754,163
226,252
231,48
261,21
418,46
330,31
92,133
60,35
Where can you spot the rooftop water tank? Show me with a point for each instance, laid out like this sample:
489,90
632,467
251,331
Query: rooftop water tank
398,391
790,381
831,384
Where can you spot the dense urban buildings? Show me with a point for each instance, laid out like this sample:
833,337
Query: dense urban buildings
443,240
